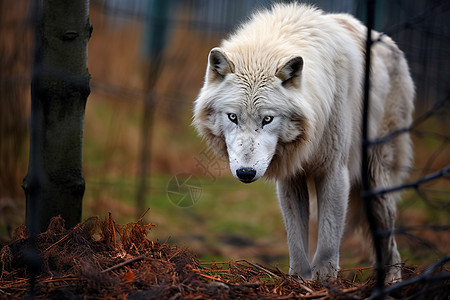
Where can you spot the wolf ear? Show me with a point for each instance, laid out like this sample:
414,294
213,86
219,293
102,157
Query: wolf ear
218,65
290,72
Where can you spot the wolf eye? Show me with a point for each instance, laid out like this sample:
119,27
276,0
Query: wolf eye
233,118
267,120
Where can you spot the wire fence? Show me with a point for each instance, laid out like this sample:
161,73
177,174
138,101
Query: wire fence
370,193
420,28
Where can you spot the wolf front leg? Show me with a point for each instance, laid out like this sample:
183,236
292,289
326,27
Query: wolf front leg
294,204
332,201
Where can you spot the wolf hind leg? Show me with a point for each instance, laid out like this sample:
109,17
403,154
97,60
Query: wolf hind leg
384,208
385,213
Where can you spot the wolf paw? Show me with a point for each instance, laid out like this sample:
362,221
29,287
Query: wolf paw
303,273
324,273
393,274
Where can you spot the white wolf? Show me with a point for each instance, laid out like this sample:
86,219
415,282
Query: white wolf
283,98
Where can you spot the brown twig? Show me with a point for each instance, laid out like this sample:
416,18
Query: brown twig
124,263
214,278
142,216
260,268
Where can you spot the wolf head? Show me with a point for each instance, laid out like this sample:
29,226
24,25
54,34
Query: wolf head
251,112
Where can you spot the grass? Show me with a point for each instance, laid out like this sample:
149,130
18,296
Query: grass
227,213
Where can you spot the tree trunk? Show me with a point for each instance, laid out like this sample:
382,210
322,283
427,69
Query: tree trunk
54,184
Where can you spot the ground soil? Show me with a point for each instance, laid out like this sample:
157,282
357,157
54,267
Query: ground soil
100,259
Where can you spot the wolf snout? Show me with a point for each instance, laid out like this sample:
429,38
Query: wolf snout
246,175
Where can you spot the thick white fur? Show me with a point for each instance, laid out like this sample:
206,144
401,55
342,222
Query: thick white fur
304,68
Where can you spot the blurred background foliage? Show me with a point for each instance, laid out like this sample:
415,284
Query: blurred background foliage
147,60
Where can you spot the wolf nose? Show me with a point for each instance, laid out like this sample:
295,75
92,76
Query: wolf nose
246,174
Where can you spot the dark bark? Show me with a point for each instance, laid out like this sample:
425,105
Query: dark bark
54,184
